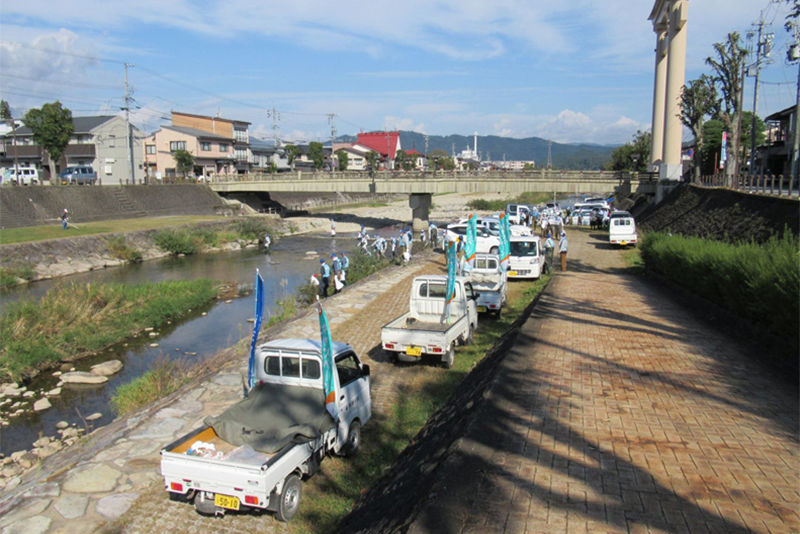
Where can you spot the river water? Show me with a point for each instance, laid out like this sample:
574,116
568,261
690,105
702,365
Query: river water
285,268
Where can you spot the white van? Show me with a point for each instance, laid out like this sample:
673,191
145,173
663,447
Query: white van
526,259
622,229
22,175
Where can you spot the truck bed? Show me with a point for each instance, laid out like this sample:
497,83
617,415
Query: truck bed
243,455
419,325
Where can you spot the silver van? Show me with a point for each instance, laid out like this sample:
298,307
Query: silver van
79,175
22,175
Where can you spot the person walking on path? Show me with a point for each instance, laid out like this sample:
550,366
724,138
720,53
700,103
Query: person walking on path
562,249
543,225
325,274
333,228
64,218
549,247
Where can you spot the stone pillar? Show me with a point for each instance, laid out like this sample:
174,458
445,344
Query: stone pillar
659,90
420,204
672,166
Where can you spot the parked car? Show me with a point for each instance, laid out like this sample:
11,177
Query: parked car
79,175
22,175
253,456
526,259
486,243
493,225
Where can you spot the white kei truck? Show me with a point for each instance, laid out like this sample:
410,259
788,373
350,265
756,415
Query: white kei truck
526,257
489,281
622,229
425,330
253,455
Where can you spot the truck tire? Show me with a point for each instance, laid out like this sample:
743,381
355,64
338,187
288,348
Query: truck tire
470,337
353,444
449,358
391,356
289,501
494,250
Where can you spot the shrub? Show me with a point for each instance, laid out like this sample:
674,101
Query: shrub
251,228
758,282
121,249
10,275
175,242
163,379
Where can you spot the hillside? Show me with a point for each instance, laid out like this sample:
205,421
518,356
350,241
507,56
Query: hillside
565,156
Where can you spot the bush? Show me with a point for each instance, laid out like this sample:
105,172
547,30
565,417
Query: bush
758,282
121,249
163,379
175,242
530,198
251,228
10,275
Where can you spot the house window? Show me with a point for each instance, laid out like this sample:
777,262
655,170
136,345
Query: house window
170,173
112,141
150,149
205,147
223,147
177,145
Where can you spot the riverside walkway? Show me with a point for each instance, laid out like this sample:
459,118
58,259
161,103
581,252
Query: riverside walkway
622,410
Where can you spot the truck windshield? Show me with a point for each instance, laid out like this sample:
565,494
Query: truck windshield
523,248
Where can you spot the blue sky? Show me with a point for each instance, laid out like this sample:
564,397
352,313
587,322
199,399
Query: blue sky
570,71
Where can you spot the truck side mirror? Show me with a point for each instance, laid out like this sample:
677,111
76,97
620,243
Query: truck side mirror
475,296
365,369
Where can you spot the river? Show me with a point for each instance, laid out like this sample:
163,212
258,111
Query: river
224,324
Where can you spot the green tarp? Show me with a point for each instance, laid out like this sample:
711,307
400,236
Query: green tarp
273,416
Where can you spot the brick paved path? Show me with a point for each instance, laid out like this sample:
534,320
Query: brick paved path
619,410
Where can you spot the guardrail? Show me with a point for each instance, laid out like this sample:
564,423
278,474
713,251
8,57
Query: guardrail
767,184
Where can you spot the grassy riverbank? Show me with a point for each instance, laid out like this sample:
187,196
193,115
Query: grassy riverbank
77,319
331,494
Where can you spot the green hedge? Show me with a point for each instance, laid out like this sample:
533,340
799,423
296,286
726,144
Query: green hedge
758,282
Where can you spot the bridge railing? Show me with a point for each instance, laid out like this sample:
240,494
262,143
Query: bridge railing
544,175
761,184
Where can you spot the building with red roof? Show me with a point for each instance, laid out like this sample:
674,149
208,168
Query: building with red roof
384,143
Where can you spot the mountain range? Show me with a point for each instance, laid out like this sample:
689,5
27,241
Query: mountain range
495,148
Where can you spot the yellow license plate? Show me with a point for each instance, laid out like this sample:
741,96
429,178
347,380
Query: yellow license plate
623,243
414,351
481,309
225,501
512,273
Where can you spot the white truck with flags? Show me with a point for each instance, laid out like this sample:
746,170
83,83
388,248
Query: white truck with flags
307,400
442,313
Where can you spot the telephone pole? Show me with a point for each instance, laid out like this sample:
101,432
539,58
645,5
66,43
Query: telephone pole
128,143
275,117
333,138
549,155
426,151
762,49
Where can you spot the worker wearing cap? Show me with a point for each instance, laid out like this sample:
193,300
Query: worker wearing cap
64,217
325,274
336,267
549,247
345,266
562,249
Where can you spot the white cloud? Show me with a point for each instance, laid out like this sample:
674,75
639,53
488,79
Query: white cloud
397,123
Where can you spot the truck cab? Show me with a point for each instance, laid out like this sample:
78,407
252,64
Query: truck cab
526,259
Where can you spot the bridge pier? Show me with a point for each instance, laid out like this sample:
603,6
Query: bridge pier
420,204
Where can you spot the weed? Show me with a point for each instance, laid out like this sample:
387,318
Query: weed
9,276
121,249
164,378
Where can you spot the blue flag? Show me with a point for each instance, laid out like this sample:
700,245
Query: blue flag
251,365
472,240
452,262
328,365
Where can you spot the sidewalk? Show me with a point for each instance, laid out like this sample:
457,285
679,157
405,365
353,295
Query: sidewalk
619,410
112,480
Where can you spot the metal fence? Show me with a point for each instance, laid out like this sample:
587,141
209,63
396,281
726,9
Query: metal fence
767,184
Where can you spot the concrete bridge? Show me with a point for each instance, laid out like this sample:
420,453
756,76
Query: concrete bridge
421,185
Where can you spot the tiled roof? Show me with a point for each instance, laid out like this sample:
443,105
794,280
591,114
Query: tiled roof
83,125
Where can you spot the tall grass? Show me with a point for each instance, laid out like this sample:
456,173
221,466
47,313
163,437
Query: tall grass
119,247
76,319
164,378
528,197
9,275
758,282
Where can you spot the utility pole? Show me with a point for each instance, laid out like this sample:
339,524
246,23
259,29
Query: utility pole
762,49
427,163
128,143
333,138
549,155
275,117
796,140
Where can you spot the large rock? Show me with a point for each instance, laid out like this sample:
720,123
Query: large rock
80,377
93,478
41,405
107,368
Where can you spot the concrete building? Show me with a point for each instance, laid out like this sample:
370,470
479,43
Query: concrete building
669,23
99,142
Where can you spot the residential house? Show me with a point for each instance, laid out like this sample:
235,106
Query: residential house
228,128
213,153
265,152
384,143
775,155
99,142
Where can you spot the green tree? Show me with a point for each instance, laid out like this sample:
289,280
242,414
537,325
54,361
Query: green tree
411,162
5,110
184,161
316,154
344,159
292,153
400,158
747,135
727,65
272,168
372,160
698,100
633,155
52,127
528,167
712,139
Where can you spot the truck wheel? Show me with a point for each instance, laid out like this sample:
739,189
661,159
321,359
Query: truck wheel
494,250
391,356
289,502
449,358
353,444
470,337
